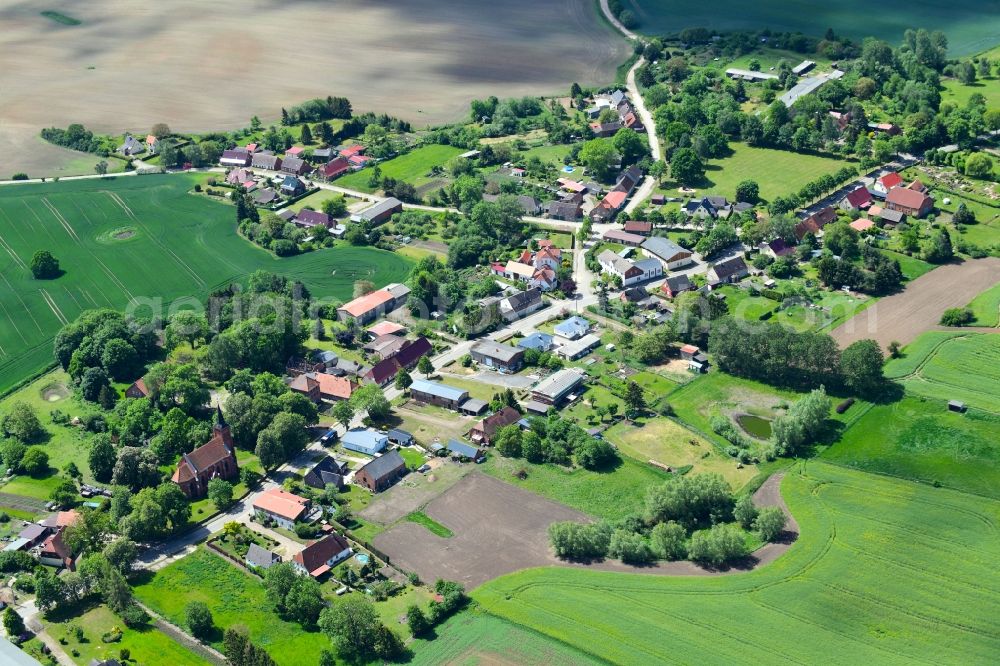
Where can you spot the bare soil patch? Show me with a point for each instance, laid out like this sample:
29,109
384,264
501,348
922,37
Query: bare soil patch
918,308
421,60
414,491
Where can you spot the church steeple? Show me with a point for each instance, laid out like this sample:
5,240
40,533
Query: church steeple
220,420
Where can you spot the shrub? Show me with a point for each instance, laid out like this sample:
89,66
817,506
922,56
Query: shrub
844,406
957,317
629,547
720,544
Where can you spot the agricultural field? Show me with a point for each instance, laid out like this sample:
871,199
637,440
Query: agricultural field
970,25
137,239
885,570
669,443
234,597
476,638
415,168
986,307
785,172
429,75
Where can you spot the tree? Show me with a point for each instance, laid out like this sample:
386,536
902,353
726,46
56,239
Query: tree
335,206
269,450
507,441
278,582
12,622
861,364
690,500
802,423
304,602
748,191
593,453
162,130
635,399
599,156
580,542
939,249
963,215
371,399
745,512
978,165
88,533
841,240
403,380
64,494
717,545
22,424
306,137
630,145
669,541
220,492
101,168
343,412
629,547
352,624
136,468
198,619
101,458
770,523
685,167
425,366
416,620
44,266
957,317
121,554
35,462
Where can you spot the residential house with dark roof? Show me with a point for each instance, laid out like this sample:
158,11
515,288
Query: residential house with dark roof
384,371
328,470
380,212
260,558
55,552
266,160
312,218
857,199
137,389
503,358
214,459
320,556
605,130
462,451
567,211
675,285
382,472
778,248
814,223
521,304
638,227
238,157
483,432
292,186
623,238
730,270
529,205
400,437
629,179
295,166
334,169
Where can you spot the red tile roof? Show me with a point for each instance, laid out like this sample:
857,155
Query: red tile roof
367,303
211,453
331,386
859,197
386,328
891,180
335,167
281,503
614,199
314,557
904,196
356,149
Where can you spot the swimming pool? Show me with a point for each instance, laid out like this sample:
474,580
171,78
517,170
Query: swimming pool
362,558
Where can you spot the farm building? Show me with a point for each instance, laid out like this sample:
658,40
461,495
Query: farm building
637,227
462,450
435,393
670,253
579,348
382,472
327,471
909,200
364,440
260,558
295,166
400,437
320,556
498,357
521,304
373,305
384,371
267,161
483,431
676,285
749,75
238,157
380,212
557,386
730,270
137,389
281,506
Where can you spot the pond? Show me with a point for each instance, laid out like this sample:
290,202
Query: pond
755,426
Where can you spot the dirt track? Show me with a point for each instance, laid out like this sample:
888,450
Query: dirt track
500,528
918,308
211,66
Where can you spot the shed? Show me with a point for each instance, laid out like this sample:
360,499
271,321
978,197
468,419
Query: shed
956,406
400,437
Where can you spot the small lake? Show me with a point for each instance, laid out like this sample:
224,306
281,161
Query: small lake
755,426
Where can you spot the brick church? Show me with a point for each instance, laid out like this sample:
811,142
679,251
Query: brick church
216,458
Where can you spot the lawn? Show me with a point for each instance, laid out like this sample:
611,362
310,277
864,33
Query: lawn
907,571
912,267
743,305
475,638
986,307
414,167
970,25
147,645
609,494
234,597
670,443
965,368
778,172
421,518
920,439
178,246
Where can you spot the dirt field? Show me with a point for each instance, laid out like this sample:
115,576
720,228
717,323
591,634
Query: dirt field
904,316
414,491
204,66
498,528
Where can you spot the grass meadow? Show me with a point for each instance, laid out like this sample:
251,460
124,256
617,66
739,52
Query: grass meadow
414,167
137,238
986,307
885,571
970,25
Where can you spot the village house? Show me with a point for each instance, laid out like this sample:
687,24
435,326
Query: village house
777,248
281,506
292,187
573,328
374,304
857,199
364,440
521,304
630,272
266,160
609,206
578,348
482,433
556,387
400,437
241,177
260,558
334,168
710,207
320,556
386,328
379,213
911,200
384,371
312,218
131,146
152,144
386,346
214,459
728,271
319,386
670,253
295,165
55,552
382,472
636,296
814,223
541,342
137,389
237,157
675,285
567,210
265,196
861,224
327,471
503,358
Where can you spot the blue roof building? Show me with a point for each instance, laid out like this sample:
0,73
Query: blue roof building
364,441
463,450
540,341
439,394
573,328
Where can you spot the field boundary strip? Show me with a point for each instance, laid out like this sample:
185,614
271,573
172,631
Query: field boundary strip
62,220
13,255
52,306
128,212
23,304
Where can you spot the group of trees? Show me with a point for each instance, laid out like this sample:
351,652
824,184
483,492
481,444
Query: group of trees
316,110
295,597
21,428
689,516
878,274
97,577
77,137
489,227
778,355
452,600
554,440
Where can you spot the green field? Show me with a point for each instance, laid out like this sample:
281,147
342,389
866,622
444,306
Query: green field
414,167
885,571
957,92
917,438
912,267
986,307
778,172
234,597
915,354
970,25
474,638
142,238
